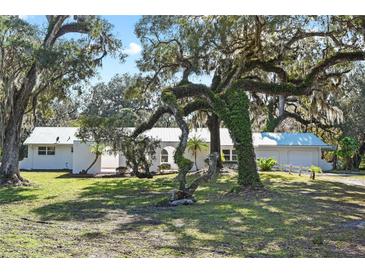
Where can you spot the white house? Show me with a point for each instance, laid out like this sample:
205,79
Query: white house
56,148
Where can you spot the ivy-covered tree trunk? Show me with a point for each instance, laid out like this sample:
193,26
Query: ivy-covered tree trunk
234,111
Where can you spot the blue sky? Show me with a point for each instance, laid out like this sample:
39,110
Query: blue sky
124,30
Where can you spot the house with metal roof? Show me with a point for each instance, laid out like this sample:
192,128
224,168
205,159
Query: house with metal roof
57,148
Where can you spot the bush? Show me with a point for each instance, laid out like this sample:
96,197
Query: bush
164,166
314,170
348,148
266,164
121,170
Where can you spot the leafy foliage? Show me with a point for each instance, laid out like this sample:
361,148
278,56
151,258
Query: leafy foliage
266,164
42,63
316,169
270,57
348,148
164,166
140,152
93,129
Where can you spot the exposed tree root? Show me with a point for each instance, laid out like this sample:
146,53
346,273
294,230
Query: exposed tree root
246,188
15,180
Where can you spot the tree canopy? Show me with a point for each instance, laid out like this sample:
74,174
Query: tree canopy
262,72
35,61
289,57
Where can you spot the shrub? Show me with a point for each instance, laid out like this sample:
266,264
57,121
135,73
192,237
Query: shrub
266,164
164,166
314,170
347,150
121,170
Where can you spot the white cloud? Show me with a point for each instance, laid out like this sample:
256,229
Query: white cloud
133,49
24,17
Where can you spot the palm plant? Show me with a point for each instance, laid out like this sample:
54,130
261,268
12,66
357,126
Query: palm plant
194,145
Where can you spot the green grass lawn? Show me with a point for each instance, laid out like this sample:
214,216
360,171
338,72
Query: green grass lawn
98,217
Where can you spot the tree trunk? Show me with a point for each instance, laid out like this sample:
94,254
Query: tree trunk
209,175
196,164
356,160
358,156
313,175
93,163
235,115
183,163
213,124
9,169
281,105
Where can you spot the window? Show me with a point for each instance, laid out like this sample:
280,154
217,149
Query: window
234,155
229,155
46,150
226,154
42,150
164,156
51,150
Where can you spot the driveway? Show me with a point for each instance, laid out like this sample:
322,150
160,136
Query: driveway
348,179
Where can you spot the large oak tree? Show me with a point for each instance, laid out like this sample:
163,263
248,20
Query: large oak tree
33,60
245,56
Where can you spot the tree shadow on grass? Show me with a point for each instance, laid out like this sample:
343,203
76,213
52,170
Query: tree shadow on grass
10,194
284,220
280,223
107,196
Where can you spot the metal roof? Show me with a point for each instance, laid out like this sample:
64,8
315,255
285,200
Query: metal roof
66,135
287,139
49,135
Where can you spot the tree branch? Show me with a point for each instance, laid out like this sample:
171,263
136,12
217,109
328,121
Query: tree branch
72,28
152,121
333,60
190,90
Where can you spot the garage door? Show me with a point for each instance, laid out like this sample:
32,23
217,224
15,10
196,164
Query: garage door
267,153
301,158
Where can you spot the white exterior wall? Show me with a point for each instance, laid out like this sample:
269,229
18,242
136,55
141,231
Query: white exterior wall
269,145
324,165
63,158
109,160
201,156
295,156
83,157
